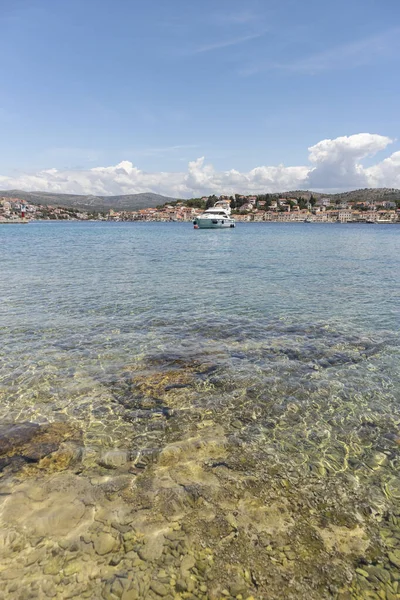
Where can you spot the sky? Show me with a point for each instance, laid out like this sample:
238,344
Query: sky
188,98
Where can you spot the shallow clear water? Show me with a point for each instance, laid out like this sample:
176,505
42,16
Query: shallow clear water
249,378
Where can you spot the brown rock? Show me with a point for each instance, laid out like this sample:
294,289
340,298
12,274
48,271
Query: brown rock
15,435
32,441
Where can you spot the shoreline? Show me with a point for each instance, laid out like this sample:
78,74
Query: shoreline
25,222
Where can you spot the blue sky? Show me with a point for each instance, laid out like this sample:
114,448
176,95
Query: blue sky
158,84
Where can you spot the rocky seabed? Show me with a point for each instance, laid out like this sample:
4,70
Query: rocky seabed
189,480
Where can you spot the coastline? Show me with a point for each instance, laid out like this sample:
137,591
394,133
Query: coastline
14,221
188,222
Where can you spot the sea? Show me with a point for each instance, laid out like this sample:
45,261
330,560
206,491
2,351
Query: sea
199,414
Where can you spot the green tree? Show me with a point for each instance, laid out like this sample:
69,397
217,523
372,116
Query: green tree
211,201
196,203
302,203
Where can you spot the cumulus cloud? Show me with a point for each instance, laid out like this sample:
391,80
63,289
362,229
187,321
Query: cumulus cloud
334,164
386,173
338,162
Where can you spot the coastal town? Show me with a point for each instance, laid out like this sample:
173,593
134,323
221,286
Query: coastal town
261,208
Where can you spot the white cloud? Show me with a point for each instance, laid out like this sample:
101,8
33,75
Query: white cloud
386,173
338,162
333,165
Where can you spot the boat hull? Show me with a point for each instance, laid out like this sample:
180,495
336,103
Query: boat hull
214,223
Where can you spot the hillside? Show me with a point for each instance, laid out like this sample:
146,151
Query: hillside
90,203
368,195
363,195
132,202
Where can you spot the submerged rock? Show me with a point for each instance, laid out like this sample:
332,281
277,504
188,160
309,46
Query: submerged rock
46,511
114,459
159,383
33,442
105,543
14,436
345,540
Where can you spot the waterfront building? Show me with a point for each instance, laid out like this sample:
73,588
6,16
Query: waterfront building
345,215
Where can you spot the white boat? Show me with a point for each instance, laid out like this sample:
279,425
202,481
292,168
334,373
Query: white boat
216,217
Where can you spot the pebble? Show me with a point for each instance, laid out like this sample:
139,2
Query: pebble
11,574
201,566
72,567
237,588
104,543
53,567
174,535
181,585
114,459
362,572
118,586
379,573
35,556
131,594
129,541
187,563
394,558
291,555
159,588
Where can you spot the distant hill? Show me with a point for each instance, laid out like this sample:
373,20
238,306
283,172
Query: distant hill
131,202
364,195
368,195
90,203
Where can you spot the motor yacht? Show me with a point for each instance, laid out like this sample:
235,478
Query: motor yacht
216,217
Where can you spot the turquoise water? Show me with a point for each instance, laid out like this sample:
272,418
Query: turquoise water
275,346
